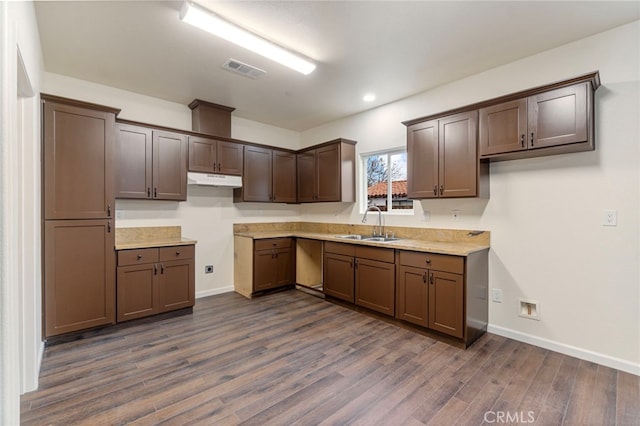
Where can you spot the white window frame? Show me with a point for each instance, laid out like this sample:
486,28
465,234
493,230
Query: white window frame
363,179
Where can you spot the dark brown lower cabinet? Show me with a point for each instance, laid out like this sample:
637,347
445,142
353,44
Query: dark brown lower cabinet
155,280
360,274
273,263
445,293
79,275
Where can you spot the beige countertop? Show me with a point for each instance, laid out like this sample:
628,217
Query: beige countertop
152,236
457,248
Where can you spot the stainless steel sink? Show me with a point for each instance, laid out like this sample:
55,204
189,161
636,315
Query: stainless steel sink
381,239
353,237
368,238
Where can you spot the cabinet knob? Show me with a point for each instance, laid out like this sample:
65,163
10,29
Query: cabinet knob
428,261
177,253
139,256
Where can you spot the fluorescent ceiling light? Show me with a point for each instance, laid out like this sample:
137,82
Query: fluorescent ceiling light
205,20
369,97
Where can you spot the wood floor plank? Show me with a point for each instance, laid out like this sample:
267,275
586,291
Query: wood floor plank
291,358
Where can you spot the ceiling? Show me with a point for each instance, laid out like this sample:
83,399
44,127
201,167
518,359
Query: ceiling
392,48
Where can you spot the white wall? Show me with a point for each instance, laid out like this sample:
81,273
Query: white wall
20,283
209,213
544,214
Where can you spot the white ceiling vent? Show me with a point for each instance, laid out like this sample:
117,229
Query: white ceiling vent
243,69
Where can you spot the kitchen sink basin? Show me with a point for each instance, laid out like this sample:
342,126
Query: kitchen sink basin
368,238
354,237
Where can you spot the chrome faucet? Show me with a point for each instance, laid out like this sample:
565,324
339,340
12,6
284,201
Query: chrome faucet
364,219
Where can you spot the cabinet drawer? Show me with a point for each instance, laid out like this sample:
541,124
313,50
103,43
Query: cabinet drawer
374,253
272,243
339,248
137,256
439,262
176,253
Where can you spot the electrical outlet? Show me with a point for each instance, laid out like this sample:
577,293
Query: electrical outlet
455,214
610,218
119,214
497,295
208,269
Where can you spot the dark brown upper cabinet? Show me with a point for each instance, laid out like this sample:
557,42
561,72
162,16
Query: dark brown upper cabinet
215,156
151,164
78,142
269,176
326,172
442,157
553,119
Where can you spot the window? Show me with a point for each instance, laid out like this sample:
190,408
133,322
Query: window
385,177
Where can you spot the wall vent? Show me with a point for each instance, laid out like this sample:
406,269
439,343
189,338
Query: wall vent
243,69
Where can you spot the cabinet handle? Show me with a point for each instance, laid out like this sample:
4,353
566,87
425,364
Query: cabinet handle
219,168
109,227
139,256
441,189
356,263
424,277
435,189
531,138
214,167
109,210
148,192
431,278
155,269
522,140
155,192
162,268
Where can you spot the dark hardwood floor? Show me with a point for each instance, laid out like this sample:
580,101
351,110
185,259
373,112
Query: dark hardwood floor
293,359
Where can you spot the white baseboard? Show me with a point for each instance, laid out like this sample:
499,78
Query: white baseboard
214,291
587,355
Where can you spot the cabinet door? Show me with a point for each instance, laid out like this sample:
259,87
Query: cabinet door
458,163
328,173
306,170
176,285
136,293
284,177
284,267
503,128
264,270
446,303
229,158
422,160
375,285
79,275
133,162
338,276
78,162
558,117
412,295
202,155
169,166
256,184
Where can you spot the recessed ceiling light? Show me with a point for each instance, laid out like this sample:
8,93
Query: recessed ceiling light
369,97
214,24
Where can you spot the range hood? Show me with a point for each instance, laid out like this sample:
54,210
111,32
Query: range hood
206,179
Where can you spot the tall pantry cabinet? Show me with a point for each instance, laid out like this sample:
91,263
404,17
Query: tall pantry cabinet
78,205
